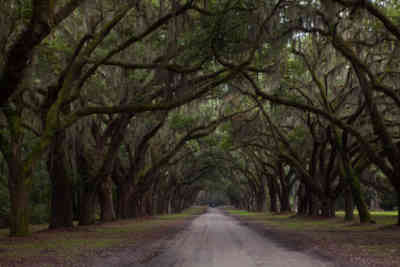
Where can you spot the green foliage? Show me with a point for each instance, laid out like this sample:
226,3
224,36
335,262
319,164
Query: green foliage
210,140
225,32
40,213
297,135
389,200
181,122
295,68
233,193
25,9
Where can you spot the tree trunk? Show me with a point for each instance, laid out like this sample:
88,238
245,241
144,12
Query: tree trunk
302,200
61,203
272,195
362,207
354,182
349,205
61,185
124,204
76,204
87,212
398,207
284,200
20,188
134,205
148,204
260,201
314,205
328,208
154,201
105,194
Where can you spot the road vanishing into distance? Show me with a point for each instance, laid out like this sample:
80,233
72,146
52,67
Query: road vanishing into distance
217,240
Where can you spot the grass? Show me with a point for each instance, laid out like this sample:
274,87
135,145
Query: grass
34,228
68,244
193,211
289,221
378,242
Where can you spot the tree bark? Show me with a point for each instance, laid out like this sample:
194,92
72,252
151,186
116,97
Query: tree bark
62,214
148,204
349,205
328,208
314,205
19,54
87,211
398,207
302,200
272,195
362,207
20,188
107,213
124,204
284,200
260,201
61,185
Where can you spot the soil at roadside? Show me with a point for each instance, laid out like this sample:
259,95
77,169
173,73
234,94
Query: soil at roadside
119,243
347,248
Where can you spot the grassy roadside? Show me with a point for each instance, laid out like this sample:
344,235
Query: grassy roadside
364,244
57,247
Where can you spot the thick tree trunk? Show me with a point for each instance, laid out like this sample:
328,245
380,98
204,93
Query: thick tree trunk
62,203
61,185
105,194
76,204
272,195
148,204
362,207
154,202
398,206
349,205
162,204
20,188
87,211
134,206
314,205
354,182
260,201
124,204
302,200
328,208
363,212
284,200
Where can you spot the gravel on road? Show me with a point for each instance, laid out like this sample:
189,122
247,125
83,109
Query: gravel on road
217,240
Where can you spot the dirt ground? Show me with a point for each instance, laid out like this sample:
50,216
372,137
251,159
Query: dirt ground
378,247
217,240
109,244
213,239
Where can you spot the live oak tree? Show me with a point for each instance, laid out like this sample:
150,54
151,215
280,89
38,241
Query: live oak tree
113,87
60,112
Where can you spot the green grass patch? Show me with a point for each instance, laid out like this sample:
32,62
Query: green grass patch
67,244
290,221
186,214
34,228
374,213
377,241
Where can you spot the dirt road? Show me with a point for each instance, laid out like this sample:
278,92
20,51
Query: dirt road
217,240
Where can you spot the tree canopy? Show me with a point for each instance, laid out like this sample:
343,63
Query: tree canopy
118,109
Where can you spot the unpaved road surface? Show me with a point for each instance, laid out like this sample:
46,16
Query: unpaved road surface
217,240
